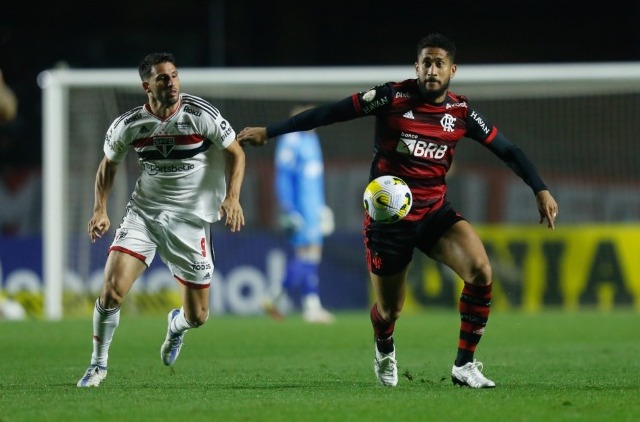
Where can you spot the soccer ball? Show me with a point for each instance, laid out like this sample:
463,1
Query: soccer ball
387,199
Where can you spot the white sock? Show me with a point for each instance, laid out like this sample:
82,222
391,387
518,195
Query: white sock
311,302
180,324
105,322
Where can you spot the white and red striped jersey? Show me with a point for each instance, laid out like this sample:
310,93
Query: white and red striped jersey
182,164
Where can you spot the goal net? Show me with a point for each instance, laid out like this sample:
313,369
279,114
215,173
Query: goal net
577,122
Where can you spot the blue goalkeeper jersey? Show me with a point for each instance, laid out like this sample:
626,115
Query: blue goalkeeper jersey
299,182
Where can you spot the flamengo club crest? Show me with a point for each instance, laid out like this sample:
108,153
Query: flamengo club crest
164,145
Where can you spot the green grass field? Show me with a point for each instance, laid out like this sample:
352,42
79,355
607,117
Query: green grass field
551,366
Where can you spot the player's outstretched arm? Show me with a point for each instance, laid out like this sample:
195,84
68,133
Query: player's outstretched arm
256,136
547,207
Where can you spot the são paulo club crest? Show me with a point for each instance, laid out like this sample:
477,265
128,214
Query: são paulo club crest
164,145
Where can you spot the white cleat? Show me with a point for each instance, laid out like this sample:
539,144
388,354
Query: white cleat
386,368
93,376
318,316
172,343
470,375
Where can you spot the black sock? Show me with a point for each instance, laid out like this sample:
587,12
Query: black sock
385,345
464,357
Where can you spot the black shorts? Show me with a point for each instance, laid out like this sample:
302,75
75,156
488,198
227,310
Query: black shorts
389,247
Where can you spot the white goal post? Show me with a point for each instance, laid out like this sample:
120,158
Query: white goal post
479,82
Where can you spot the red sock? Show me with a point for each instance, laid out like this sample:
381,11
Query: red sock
382,331
474,306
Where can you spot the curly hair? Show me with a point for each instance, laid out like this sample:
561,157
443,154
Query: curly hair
437,41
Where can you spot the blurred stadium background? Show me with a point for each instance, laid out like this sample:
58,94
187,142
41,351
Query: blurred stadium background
582,137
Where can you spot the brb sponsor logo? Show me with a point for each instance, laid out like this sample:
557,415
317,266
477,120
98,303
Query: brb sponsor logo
410,144
152,168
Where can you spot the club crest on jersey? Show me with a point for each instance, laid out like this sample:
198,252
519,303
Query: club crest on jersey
164,145
447,122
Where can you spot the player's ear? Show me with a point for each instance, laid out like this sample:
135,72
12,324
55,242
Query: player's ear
145,86
417,65
454,68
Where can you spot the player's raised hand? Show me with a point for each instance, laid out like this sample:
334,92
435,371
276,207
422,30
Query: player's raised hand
547,207
256,136
98,225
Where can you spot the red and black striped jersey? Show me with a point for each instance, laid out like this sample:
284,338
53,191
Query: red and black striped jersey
416,140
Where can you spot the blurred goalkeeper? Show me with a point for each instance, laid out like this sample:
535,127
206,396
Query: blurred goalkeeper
191,171
418,124
304,217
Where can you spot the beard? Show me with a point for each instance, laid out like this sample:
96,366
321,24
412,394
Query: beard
433,94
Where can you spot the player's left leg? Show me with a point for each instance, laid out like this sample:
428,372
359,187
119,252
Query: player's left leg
193,314
309,257
188,252
461,249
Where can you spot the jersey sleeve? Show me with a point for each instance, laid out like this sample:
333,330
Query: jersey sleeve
323,115
116,145
214,126
479,128
374,100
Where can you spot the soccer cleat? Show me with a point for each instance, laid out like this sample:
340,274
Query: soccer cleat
386,368
470,375
318,316
93,376
172,343
272,310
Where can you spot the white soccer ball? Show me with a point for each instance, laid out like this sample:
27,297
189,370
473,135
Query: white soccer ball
11,310
387,199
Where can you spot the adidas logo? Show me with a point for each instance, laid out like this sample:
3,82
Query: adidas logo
408,114
207,276
144,130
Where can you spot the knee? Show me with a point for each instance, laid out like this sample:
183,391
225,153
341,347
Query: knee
390,314
481,273
111,296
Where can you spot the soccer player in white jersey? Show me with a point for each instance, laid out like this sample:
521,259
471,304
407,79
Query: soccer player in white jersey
191,172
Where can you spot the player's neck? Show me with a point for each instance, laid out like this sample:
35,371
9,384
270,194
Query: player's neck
162,110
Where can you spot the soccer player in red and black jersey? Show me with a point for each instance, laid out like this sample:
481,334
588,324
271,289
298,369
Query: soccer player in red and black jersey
419,122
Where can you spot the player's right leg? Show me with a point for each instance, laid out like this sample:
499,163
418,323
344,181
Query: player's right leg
389,249
121,271
130,254
390,293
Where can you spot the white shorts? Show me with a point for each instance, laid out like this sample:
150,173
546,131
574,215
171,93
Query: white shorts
183,245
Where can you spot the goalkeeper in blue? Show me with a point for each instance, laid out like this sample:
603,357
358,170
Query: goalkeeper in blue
304,218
